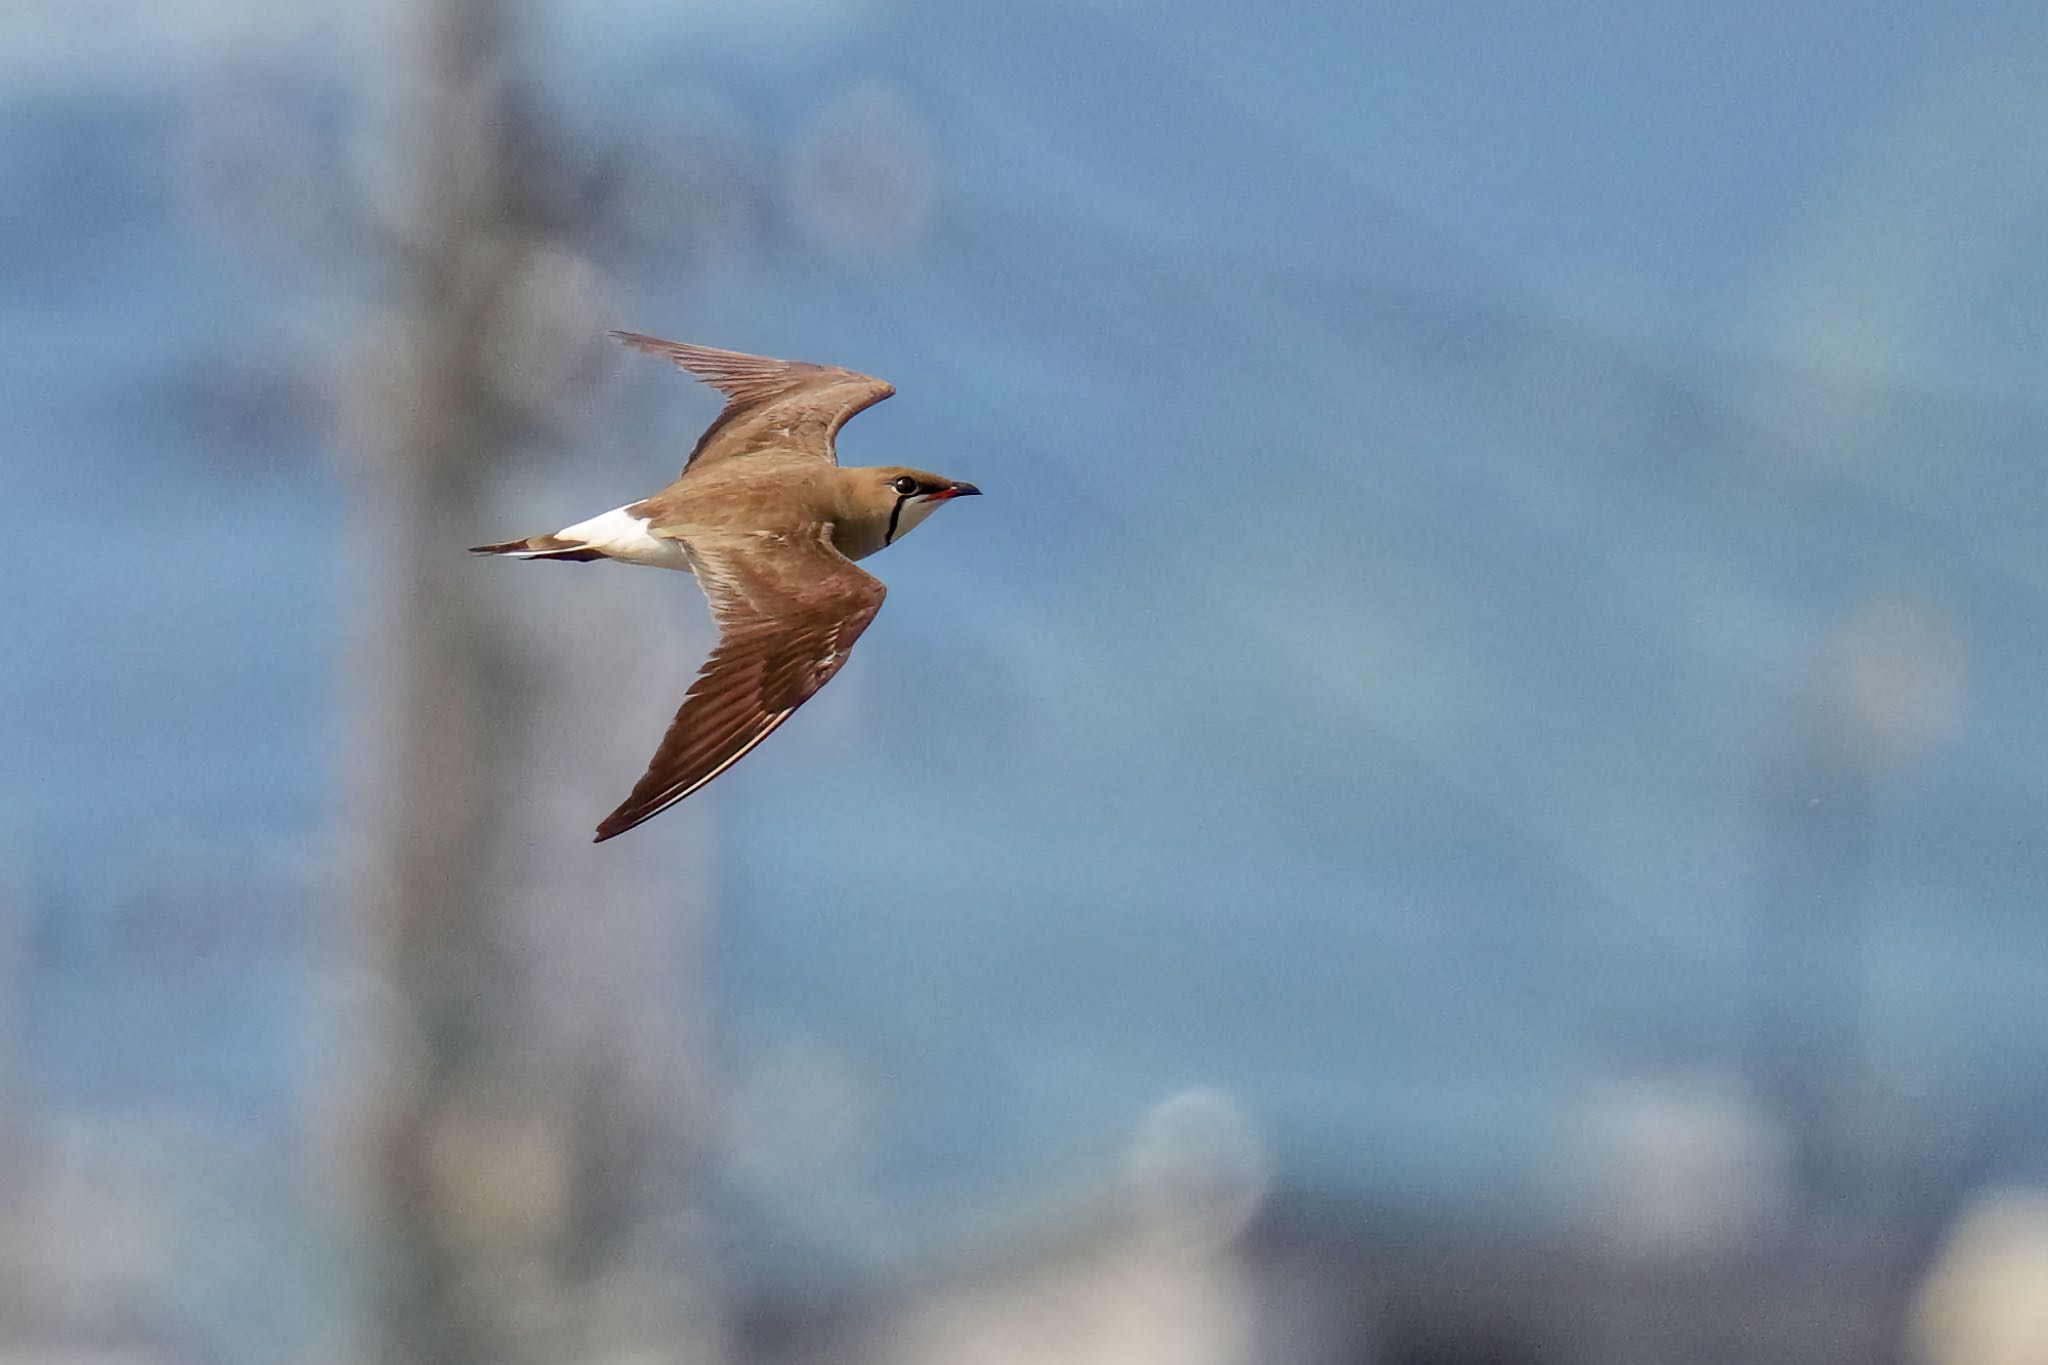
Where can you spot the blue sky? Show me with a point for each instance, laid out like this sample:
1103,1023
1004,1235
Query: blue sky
1431,452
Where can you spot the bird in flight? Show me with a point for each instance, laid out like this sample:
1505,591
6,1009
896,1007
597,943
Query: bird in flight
770,524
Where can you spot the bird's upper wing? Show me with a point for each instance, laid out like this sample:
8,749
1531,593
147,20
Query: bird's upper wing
770,404
788,609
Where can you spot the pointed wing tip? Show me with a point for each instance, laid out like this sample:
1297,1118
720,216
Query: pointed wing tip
640,341
676,350
617,823
629,816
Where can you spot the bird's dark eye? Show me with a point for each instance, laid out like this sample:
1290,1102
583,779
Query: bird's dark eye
904,484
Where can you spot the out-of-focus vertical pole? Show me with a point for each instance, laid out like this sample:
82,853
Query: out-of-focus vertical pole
513,1120
1890,685
445,1103
515,1049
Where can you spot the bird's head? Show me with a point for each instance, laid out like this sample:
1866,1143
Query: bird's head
897,499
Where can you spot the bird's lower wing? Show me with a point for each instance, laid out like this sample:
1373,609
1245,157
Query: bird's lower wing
788,616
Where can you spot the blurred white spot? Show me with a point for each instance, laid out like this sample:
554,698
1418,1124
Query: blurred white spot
864,178
1197,1171
1986,1301
1166,1288
1680,1166
1901,664
1086,1304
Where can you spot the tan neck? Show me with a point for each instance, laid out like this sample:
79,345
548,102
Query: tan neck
860,520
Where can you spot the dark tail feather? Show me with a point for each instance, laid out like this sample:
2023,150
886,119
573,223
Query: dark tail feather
541,547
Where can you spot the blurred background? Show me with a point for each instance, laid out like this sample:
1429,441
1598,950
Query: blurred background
1477,791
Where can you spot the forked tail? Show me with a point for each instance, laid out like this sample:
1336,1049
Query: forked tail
542,547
